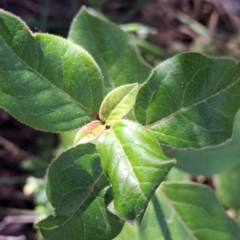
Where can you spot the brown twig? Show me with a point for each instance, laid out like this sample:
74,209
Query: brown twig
212,24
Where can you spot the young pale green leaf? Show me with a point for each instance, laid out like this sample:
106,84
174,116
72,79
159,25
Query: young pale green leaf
46,81
112,49
190,100
208,161
80,193
135,165
228,186
118,103
89,132
184,211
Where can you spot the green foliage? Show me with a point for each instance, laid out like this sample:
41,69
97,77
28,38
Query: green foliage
118,103
183,89
183,211
79,199
228,187
111,172
135,165
208,161
113,51
42,76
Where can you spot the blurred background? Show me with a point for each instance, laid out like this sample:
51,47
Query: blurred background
161,29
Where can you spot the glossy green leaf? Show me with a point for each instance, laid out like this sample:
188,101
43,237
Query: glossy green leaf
112,49
46,81
184,211
135,165
228,187
190,100
208,161
89,132
118,103
80,193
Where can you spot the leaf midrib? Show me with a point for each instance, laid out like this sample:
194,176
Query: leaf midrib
128,160
192,105
90,191
176,213
44,78
189,230
117,105
105,64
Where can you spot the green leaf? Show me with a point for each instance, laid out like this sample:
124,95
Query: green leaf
208,161
150,227
89,132
112,49
118,103
176,175
135,165
190,100
228,187
192,211
80,193
67,138
184,211
45,81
